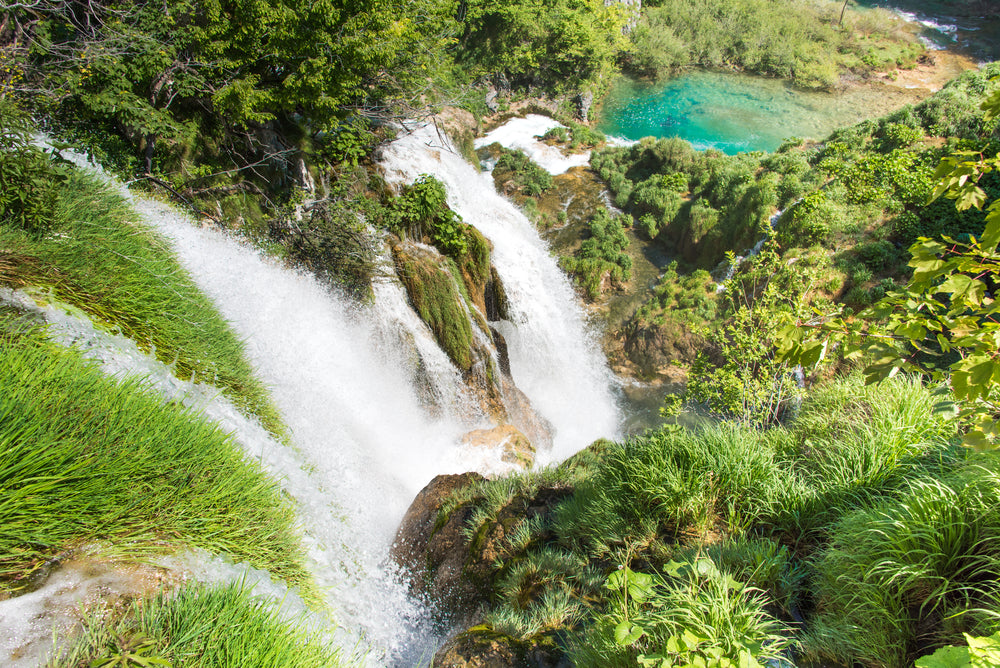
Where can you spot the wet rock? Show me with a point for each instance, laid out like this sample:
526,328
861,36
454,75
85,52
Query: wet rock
480,647
491,100
516,447
656,349
434,553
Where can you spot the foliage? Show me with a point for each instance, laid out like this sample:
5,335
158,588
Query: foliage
690,513
802,40
946,309
203,626
561,43
747,381
693,297
979,653
82,459
698,615
515,166
601,254
335,244
29,178
422,211
575,136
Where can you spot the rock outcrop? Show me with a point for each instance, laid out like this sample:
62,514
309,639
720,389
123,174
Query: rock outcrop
480,647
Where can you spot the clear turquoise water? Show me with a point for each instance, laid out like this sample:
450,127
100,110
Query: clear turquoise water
735,112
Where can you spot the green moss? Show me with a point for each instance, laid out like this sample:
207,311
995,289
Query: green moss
436,296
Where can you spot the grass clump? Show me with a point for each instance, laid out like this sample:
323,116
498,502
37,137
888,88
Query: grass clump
913,573
697,543
100,259
85,458
202,626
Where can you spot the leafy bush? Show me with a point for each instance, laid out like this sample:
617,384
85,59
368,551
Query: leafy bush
697,615
514,165
422,211
29,178
601,254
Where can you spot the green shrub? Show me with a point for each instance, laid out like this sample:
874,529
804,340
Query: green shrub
422,211
529,179
601,254
29,178
697,615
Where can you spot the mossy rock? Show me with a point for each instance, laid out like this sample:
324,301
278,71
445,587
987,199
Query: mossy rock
481,647
433,291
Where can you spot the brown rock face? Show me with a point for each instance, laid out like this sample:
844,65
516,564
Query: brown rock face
433,555
517,449
482,648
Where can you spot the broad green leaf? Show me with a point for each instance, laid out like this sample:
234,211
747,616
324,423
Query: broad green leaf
627,633
946,657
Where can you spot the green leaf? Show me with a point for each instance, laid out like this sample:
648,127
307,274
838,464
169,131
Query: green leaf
946,657
627,633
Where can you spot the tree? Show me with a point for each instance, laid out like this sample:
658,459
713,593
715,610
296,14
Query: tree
945,323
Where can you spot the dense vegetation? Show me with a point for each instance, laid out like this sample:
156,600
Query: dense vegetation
847,208
859,531
844,524
807,41
76,447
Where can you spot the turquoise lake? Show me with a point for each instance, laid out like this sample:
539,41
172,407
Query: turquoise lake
737,112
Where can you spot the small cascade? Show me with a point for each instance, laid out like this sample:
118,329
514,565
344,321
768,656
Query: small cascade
522,134
554,358
727,268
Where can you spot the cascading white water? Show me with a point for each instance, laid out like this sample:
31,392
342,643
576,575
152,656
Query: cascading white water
363,441
555,360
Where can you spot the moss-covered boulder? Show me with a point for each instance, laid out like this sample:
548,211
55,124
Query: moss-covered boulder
434,549
480,647
432,287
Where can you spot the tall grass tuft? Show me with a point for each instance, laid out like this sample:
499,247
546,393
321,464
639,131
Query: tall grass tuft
201,626
913,573
100,259
85,458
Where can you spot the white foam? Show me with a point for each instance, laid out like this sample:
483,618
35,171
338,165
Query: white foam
522,134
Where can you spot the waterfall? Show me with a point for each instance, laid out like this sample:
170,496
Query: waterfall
555,359
374,408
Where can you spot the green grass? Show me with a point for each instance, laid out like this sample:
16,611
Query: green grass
85,458
101,259
763,506
202,626
914,572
